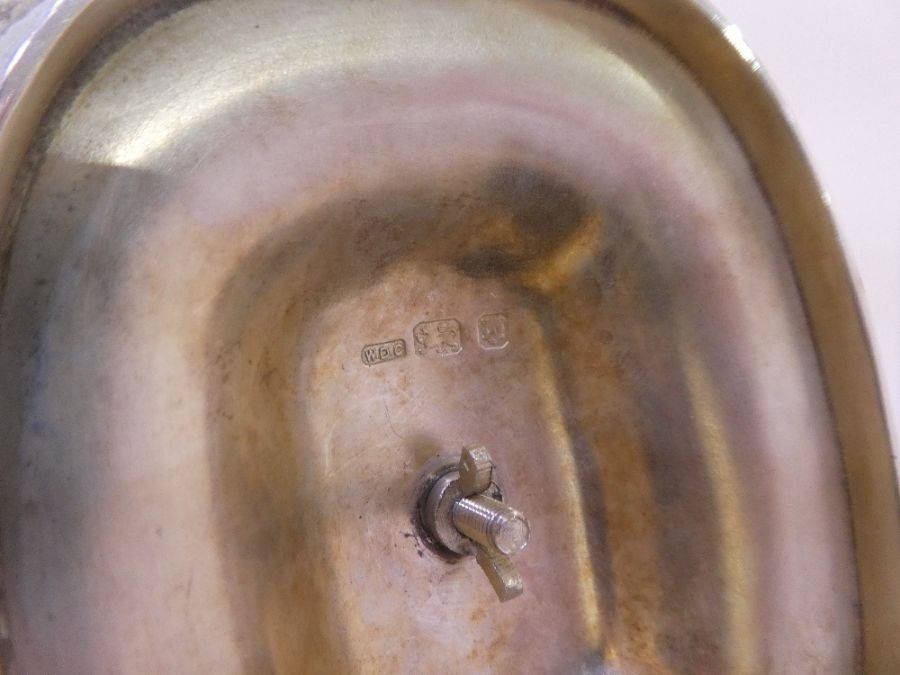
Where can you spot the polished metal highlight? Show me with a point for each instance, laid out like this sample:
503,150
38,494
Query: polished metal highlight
491,524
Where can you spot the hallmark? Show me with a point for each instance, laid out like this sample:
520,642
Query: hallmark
383,352
493,331
438,338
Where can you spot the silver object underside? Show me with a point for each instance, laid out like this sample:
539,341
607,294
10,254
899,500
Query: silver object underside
266,260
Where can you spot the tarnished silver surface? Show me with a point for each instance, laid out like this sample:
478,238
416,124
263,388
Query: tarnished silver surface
605,257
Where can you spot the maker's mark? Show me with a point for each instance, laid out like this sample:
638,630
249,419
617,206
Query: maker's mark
383,352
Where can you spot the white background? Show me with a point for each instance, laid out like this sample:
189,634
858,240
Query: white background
835,66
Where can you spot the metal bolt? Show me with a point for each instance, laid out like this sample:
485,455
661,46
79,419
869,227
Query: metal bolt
461,516
492,524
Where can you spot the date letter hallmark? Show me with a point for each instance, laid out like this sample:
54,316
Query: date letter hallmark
383,352
438,338
493,331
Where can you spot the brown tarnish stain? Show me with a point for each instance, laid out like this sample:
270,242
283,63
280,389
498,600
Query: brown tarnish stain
318,456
